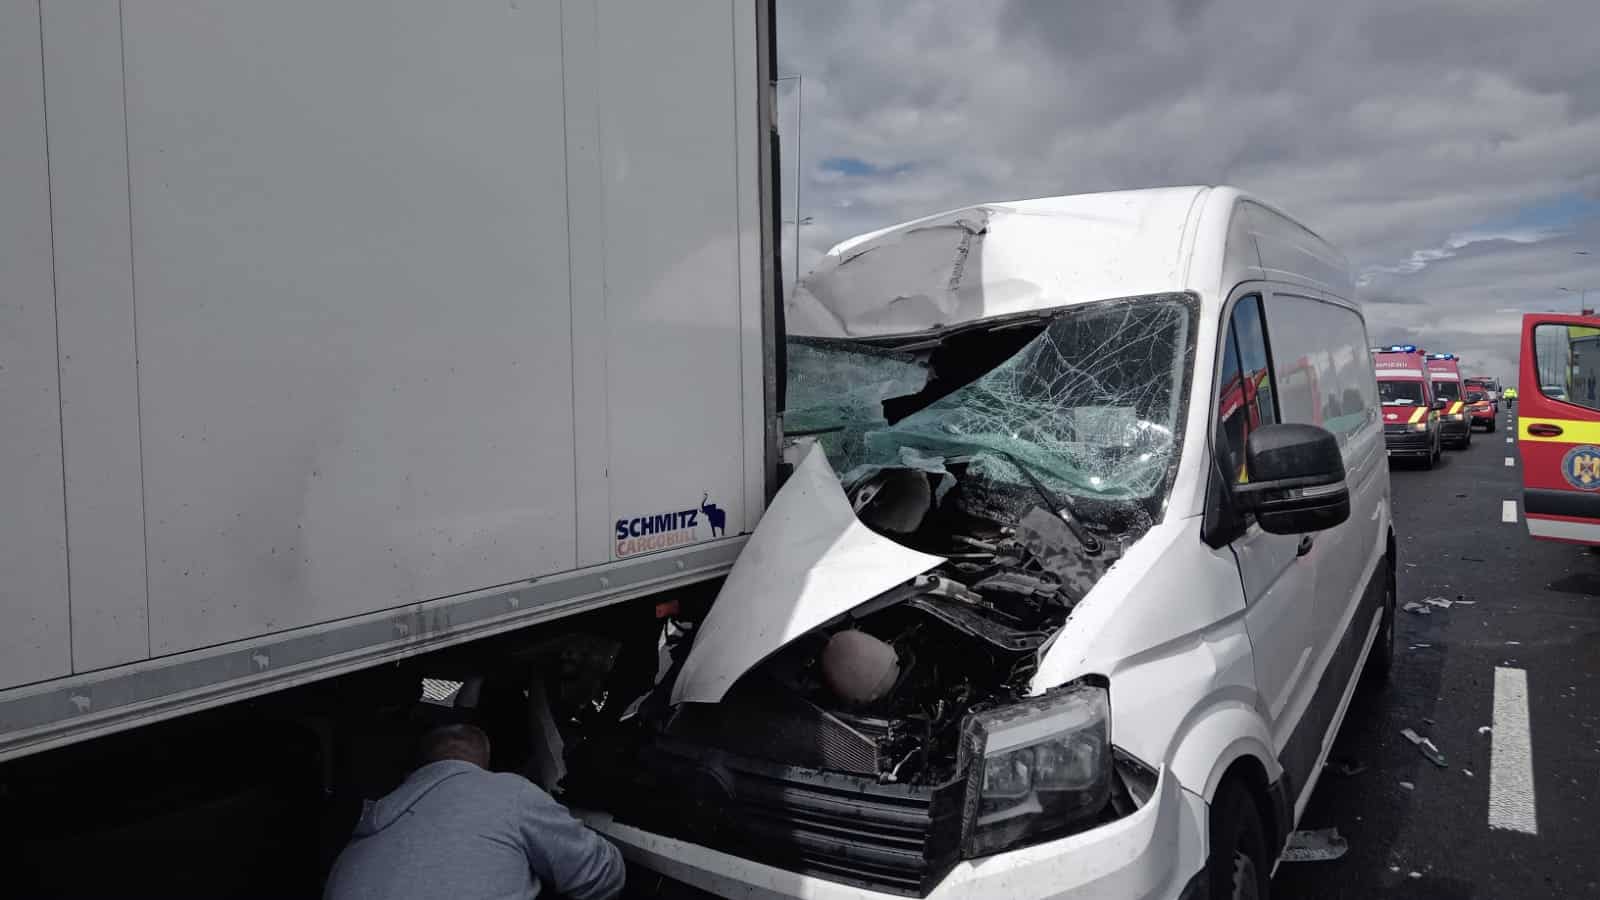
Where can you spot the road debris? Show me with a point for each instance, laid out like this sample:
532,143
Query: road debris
1440,602
1473,559
1320,845
1467,772
1425,747
1420,646
1407,786
1346,767
1413,606
1485,729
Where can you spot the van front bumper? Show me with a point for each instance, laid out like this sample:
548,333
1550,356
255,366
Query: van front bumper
1408,443
1155,852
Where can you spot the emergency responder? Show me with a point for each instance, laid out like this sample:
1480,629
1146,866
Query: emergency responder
456,831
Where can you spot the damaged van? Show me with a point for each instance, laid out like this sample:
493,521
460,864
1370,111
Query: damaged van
1084,550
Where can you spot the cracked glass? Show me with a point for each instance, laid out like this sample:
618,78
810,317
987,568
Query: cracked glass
1093,404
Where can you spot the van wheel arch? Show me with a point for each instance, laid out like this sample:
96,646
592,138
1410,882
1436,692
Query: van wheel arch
1242,790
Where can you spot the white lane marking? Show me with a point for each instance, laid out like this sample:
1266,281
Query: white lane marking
1511,804
1510,462
1508,512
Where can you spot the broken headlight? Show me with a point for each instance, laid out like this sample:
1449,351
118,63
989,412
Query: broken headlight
1036,768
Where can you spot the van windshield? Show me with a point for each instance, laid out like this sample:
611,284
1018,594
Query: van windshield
1089,398
1400,393
1447,390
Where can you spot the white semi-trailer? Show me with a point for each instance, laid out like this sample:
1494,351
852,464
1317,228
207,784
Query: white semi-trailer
336,333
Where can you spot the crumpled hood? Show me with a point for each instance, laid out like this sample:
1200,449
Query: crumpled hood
809,560
384,812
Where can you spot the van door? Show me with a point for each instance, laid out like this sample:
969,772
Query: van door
1343,613
1559,426
1279,579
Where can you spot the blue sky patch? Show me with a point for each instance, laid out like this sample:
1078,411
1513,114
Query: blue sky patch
855,167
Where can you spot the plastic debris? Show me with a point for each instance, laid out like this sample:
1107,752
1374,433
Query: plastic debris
1420,646
1465,602
1484,729
1320,845
1440,602
1407,786
1425,747
1467,772
1413,606
1416,874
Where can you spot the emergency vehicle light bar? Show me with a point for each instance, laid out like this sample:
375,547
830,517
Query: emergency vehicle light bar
1396,348
1443,356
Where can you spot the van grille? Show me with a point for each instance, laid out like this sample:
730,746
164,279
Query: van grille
895,838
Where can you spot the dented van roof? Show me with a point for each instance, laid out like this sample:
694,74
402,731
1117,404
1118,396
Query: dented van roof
998,259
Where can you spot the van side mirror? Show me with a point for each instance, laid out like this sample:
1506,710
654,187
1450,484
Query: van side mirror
1296,479
1440,405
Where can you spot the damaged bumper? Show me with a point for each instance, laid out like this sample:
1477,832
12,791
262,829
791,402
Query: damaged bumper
1153,852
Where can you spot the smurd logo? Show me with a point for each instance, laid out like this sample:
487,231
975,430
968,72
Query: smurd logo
1581,468
661,531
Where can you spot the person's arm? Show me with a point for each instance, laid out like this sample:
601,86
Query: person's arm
565,854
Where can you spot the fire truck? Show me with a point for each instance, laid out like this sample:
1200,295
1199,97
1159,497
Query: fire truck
1444,376
1559,426
1411,421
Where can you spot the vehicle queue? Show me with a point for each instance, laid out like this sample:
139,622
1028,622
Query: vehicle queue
1429,406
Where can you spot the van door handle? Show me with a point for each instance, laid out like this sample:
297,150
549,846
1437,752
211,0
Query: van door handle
1305,545
1544,429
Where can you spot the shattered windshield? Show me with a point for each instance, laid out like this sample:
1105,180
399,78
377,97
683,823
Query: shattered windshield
1090,398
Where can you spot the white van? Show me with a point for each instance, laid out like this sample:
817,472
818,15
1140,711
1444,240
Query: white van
1087,545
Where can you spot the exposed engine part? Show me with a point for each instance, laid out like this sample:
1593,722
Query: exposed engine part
894,501
858,668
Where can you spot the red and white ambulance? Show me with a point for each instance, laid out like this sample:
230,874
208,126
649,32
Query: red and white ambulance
1444,374
1411,425
1558,424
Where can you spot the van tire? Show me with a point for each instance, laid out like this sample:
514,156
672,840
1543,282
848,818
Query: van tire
1380,659
1239,867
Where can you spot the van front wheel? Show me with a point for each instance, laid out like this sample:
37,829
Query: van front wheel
1239,867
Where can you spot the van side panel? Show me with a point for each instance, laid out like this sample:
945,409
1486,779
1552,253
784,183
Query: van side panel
35,642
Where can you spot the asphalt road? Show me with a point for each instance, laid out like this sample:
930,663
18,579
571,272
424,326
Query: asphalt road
1533,607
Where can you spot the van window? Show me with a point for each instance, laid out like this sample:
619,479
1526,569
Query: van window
1567,358
1245,395
1323,366
1447,390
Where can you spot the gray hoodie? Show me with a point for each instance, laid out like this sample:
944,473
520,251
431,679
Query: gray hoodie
453,831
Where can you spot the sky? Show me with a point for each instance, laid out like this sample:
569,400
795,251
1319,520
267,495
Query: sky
1451,149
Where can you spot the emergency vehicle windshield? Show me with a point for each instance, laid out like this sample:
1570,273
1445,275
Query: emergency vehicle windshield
1447,390
1408,393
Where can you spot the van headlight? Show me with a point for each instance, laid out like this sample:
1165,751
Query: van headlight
1420,426
1035,769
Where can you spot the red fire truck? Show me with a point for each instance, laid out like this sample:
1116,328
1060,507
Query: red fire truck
1444,374
1411,425
1558,423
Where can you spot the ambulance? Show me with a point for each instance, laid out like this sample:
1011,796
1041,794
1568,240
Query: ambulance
1558,423
1411,422
1444,374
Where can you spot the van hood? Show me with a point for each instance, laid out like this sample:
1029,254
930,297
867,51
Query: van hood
809,561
